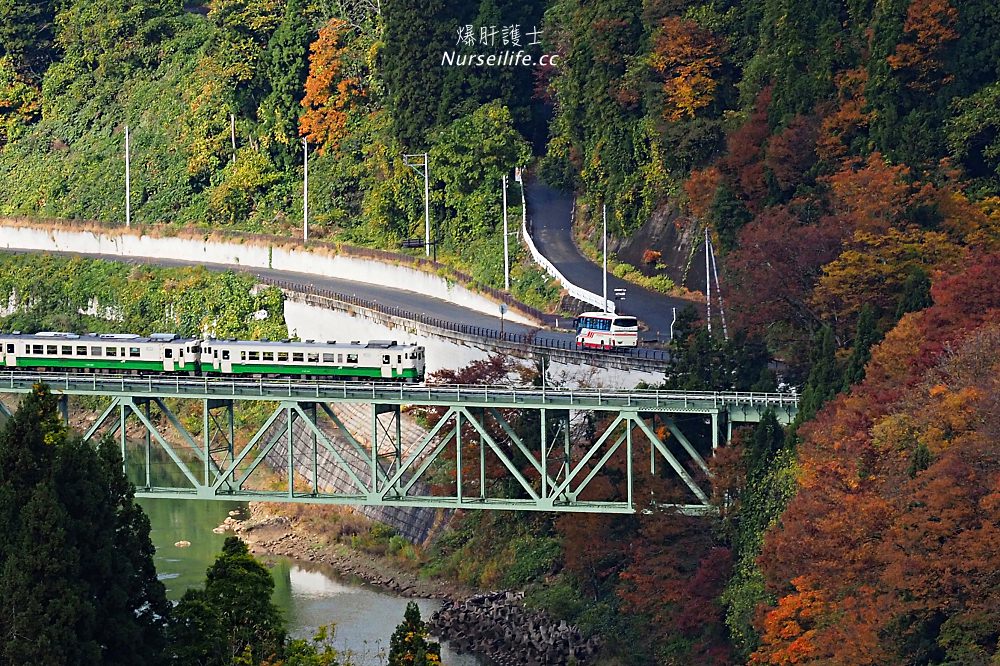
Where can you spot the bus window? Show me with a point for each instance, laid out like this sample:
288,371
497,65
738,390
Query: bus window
626,322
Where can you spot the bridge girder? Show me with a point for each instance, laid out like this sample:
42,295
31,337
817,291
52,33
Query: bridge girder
472,456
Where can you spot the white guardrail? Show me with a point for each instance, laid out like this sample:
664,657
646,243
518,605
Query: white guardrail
576,292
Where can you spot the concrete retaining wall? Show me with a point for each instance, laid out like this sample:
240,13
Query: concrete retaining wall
246,253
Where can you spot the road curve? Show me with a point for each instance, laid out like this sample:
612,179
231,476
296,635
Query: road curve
550,213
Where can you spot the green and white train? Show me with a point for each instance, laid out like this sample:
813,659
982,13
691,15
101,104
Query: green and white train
167,353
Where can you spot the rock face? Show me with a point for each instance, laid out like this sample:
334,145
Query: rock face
499,626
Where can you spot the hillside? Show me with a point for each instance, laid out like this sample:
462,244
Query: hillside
843,154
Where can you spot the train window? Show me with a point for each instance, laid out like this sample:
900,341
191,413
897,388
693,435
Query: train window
111,351
268,356
168,353
225,354
328,358
81,351
352,358
385,359
254,356
340,358
67,350
133,352
283,357
314,357
51,349
10,349
297,357
399,359
95,351
243,356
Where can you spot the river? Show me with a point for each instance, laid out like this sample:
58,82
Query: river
308,595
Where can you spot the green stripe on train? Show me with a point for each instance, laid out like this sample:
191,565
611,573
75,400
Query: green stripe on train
94,363
259,369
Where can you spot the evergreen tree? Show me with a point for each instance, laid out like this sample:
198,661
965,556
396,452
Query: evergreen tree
916,292
409,645
27,35
45,617
239,588
728,215
73,530
824,381
416,35
196,634
865,338
770,484
287,65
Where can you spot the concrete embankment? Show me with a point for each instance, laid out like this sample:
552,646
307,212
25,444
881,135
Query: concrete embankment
247,251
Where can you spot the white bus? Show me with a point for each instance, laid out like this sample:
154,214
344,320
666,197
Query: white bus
605,330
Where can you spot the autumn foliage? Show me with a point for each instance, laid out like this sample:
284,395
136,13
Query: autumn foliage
330,91
688,57
891,549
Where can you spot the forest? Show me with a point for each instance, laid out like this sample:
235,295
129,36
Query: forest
844,154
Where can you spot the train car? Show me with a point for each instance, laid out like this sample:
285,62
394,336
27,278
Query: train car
605,330
70,352
375,360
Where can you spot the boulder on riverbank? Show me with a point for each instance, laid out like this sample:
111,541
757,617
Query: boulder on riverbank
499,626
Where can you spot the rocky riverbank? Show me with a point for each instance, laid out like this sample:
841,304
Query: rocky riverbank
499,626
496,624
268,533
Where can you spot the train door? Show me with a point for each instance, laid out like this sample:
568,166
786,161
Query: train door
387,366
223,360
169,358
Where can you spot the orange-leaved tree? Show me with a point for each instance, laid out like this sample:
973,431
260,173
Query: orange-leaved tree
331,89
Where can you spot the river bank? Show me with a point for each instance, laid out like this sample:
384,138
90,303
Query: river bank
493,624
269,532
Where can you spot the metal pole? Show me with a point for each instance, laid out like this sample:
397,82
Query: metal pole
305,191
672,322
605,216
427,209
128,183
506,244
232,133
708,285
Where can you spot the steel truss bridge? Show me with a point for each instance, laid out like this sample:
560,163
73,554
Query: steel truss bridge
474,453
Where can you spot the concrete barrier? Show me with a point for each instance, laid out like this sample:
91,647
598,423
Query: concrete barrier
261,252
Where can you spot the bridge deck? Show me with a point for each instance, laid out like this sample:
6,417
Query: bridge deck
741,407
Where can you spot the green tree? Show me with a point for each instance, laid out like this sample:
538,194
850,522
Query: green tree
239,588
824,380
916,292
76,534
769,484
27,35
728,215
409,645
865,336
286,66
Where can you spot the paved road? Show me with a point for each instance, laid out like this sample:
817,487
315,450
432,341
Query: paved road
407,300
550,213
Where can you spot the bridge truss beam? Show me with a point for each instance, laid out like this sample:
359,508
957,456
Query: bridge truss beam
483,448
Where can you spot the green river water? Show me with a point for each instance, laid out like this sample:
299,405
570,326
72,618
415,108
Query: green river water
308,595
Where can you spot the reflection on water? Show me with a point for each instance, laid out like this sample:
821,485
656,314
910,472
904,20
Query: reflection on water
308,595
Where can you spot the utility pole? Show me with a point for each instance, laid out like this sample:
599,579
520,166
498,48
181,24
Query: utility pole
605,216
708,285
128,183
427,198
232,133
506,239
305,191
